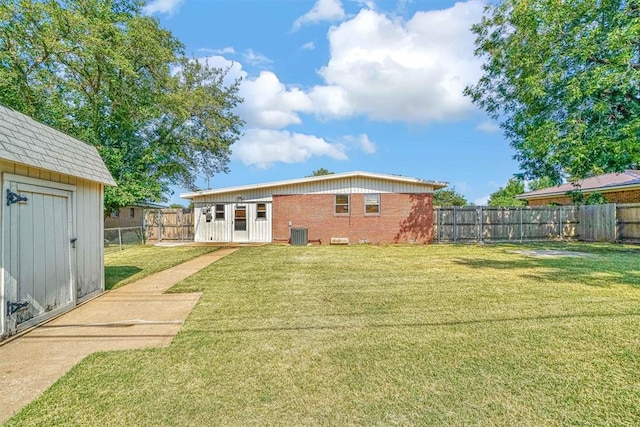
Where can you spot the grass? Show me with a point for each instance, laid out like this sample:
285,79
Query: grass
381,335
136,262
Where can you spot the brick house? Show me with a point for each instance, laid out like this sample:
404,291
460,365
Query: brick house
352,207
621,187
130,216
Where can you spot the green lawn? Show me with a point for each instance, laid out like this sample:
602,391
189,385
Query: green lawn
381,335
136,262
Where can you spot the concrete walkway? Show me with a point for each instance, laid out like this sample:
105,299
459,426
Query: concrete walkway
137,315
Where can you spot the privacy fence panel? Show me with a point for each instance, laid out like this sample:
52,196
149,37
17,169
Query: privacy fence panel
597,223
481,223
628,223
169,224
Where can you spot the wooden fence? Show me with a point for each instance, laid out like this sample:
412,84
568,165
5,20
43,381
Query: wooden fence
490,224
591,223
628,223
168,224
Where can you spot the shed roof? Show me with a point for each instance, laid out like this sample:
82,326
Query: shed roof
312,179
606,182
26,141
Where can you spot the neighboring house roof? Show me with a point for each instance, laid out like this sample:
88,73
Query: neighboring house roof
628,179
26,141
431,185
147,205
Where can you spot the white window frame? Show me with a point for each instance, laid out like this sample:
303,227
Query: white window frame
377,204
336,204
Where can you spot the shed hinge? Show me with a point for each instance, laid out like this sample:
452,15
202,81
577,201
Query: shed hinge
12,307
14,198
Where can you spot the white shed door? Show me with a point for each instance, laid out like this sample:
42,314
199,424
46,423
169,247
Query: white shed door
38,281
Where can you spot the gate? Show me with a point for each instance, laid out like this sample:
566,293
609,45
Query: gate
168,224
598,223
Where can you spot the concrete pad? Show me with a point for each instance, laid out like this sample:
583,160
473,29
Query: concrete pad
138,315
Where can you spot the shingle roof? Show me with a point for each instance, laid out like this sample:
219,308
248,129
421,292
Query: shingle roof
606,182
31,143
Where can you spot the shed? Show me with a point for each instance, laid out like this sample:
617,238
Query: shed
351,207
51,222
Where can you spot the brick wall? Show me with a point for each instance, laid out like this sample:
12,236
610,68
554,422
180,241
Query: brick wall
403,218
630,196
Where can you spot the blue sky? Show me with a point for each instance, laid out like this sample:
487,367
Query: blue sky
348,85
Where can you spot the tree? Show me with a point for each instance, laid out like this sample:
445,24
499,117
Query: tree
102,72
506,196
448,197
562,76
320,172
540,183
577,197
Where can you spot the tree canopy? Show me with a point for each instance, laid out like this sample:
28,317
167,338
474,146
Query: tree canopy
562,77
506,196
320,172
448,197
101,71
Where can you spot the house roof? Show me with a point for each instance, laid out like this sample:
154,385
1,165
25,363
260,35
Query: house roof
26,141
601,183
312,179
146,205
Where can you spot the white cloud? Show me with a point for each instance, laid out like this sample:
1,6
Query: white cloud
168,7
369,4
264,147
255,58
309,46
393,70
268,103
223,51
461,186
481,201
362,142
323,10
488,127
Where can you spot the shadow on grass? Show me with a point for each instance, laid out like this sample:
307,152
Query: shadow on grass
418,324
116,273
621,267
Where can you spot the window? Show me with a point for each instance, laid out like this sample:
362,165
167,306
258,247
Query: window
115,213
261,211
371,204
132,212
342,204
220,212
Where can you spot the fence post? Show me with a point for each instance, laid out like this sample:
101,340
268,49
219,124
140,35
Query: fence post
561,231
481,223
437,224
455,226
160,226
120,238
521,230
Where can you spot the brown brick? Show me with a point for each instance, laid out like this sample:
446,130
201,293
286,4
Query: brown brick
403,218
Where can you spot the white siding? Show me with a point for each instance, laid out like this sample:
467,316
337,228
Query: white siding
90,243
87,267
222,230
355,185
